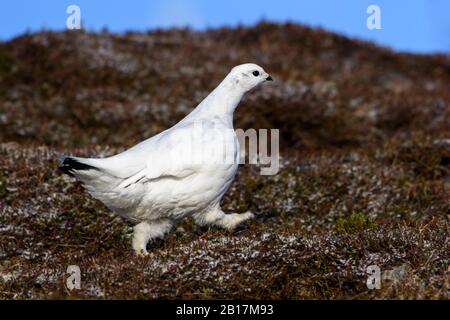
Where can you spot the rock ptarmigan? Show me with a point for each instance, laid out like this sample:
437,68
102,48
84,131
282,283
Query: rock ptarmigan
176,173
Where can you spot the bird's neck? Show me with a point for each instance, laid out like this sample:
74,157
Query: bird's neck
223,100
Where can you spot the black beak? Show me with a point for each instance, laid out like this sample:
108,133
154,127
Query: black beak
269,78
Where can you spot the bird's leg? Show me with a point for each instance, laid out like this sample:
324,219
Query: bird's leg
147,230
217,217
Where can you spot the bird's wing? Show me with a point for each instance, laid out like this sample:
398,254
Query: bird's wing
169,156
162,156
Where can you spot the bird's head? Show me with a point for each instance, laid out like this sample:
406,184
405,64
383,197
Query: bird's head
247,76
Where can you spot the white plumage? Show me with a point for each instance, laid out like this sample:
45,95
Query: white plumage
180,172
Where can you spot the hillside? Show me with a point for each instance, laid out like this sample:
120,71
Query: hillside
365,176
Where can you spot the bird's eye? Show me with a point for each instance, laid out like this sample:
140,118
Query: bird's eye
256,73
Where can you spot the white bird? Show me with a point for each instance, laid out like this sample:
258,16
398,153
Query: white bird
156,182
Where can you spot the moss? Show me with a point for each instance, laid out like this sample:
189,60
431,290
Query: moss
3,187
325,289
205,293
355,223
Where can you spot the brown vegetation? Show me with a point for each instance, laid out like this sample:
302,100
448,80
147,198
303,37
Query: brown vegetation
365,176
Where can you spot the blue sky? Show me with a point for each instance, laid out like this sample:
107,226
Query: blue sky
417,25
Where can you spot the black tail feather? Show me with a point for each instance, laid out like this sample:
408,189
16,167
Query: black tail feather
69,164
